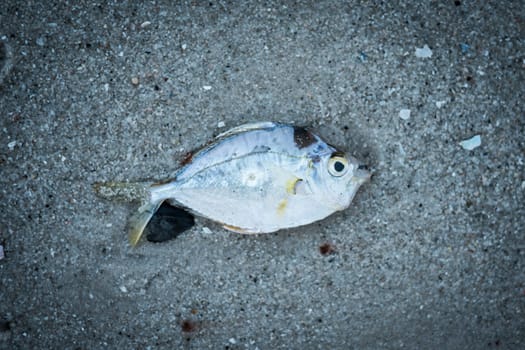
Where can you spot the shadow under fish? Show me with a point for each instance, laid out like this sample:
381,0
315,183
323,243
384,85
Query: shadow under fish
168,223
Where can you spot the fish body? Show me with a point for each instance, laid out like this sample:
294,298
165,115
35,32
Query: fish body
258,178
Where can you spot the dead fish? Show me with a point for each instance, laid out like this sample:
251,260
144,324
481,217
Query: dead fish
255,178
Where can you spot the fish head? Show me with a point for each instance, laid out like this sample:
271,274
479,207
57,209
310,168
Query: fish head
339,176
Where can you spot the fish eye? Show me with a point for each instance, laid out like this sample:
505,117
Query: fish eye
337,165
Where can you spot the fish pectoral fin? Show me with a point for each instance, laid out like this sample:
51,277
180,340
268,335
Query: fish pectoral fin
297,186
138,221
301,188
291,183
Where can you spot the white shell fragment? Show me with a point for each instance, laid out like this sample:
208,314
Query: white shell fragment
440,104
423,52
11,145
404,114
470,144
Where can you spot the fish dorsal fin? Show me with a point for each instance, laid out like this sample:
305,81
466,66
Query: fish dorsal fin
247,127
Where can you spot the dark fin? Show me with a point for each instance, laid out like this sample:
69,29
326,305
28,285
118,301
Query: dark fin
302,137
167,223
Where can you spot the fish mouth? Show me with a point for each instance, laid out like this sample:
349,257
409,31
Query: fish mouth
362,174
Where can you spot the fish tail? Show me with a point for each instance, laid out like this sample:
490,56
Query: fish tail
150,195
122,191
154,195
138,221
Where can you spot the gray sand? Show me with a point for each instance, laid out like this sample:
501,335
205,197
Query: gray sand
431,255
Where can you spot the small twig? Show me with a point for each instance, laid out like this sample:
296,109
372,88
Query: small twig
6,60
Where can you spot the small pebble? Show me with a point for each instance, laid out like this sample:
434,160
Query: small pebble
221,124
11,145
40,41
232,341
206,230
440,104
206,87
2,255
135,81
423,52
470,144
404,114
327,249
145,24
184,47
123,289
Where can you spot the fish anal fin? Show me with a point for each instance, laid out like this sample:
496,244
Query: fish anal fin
237,229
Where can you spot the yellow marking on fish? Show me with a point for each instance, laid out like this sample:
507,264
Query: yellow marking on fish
290,185
281,207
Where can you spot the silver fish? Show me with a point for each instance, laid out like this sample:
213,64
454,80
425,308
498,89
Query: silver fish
255,178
